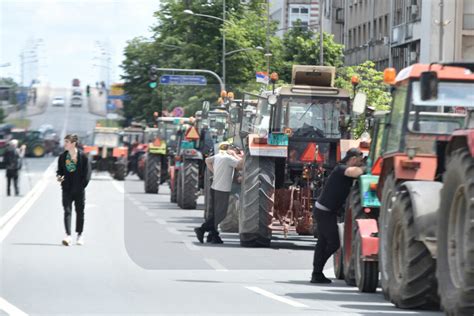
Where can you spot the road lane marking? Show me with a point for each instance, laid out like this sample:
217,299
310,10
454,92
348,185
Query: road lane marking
275,297
215,264
151,214
136,203
40,185
119,187
10,309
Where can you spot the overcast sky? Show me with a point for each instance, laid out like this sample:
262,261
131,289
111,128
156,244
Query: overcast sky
69,31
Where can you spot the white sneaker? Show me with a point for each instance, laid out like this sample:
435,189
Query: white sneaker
80,240
67,240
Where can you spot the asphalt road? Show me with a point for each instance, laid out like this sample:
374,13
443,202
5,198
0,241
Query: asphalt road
141,256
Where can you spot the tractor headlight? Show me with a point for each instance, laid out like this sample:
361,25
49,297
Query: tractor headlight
272,99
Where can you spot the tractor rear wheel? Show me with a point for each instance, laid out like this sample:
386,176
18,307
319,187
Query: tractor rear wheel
152,173
38,150
455,265
174,187
141,165
412,280
338,264
120,170
353,212
230,224
207,192
256,212
189,180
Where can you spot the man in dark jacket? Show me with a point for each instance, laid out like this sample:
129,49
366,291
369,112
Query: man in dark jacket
12,160
332,198
74,174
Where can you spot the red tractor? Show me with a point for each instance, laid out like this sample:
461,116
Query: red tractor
411,216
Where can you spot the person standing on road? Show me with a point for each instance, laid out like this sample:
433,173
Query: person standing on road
13,161
74,174
334,195
222,166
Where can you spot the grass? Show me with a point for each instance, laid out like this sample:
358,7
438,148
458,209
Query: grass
19,122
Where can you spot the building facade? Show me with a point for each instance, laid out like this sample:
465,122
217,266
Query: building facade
287,12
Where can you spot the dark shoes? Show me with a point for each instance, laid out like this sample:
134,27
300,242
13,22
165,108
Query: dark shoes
199,234
320,278
214,239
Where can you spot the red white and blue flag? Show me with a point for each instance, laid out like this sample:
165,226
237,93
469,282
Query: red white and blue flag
262,77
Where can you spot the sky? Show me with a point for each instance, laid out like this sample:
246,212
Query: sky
65,39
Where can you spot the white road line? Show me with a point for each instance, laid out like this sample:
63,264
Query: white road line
215,264
275,297
160,221
119,187
137,203
191,246
173,230
10,309
151,214
40,185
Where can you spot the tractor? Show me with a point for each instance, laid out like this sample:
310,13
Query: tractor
107,152
410,216
161,146
290,147
134,138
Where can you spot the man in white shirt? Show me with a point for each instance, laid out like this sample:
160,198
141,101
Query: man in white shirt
222,166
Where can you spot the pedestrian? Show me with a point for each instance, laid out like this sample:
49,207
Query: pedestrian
13,161
74,174
222,166
332,198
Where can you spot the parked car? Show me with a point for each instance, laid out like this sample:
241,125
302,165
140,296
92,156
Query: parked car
58,101
77,92
76,101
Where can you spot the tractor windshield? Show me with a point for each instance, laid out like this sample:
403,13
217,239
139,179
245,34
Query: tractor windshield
110,140
313,115
167,130
445,114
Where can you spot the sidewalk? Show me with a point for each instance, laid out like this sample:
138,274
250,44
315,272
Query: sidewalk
97,103
34,108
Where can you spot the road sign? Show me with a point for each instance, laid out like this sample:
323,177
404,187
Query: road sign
192,134
178,112
183,80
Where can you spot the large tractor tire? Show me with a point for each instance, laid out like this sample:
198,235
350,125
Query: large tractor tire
152,173
174,188
37,150
388,197
189,181
164,176
455,265
412,280
354,211
338,264
230,224
256,212
120,170
141,166
207,192
366,272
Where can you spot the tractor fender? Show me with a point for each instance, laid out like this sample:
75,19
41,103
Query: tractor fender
425,199
368,231
191,154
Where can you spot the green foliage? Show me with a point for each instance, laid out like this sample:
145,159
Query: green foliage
2,116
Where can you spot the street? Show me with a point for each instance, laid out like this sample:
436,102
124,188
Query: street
141,255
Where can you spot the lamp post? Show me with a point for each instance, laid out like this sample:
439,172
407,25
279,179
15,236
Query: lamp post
223,34
244,50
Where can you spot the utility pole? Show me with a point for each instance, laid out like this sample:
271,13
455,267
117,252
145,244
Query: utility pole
321,35
441,29
223,43
267,43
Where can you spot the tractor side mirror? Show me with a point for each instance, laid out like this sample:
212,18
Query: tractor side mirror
235,114
429,85
359,103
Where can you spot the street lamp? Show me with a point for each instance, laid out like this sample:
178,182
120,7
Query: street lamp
244,49
187,11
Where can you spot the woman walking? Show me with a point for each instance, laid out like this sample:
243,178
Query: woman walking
74,174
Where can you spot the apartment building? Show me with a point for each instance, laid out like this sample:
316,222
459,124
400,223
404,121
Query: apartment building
287,12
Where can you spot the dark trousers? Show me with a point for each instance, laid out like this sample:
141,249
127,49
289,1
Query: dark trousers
217,211
328,239
12,175
79,201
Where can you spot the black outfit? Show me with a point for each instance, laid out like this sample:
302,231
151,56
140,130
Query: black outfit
73,188
12,162
219,205
334,195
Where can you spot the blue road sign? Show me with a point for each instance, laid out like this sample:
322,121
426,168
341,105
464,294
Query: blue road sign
183,80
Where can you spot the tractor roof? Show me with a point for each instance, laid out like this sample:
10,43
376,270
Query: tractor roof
172,119
327,92
106,130
455,73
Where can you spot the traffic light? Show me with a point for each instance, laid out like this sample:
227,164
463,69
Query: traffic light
153,77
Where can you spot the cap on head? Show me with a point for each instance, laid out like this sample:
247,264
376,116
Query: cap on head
353,152
14,142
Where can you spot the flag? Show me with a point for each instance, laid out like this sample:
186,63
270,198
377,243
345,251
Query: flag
262,77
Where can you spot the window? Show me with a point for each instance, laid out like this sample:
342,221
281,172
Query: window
299,12
304,10
396,119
